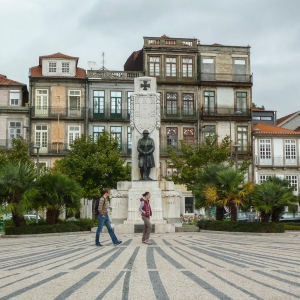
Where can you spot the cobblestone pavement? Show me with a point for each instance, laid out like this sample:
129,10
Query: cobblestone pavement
175,266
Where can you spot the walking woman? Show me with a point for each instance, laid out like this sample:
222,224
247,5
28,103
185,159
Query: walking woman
146,211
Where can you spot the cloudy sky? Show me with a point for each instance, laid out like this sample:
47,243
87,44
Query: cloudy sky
31,28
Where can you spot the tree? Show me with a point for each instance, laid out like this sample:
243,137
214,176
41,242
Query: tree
271,197
221,185
19,152
57,192
17,188
193,159
258,107
94,164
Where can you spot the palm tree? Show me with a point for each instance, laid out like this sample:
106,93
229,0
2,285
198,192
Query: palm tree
222,186
271,197
58,192
17,188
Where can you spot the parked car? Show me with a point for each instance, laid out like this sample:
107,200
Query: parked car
252,215
290,217
32,217
241,217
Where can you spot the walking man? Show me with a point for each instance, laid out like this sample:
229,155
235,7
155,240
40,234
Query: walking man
104,219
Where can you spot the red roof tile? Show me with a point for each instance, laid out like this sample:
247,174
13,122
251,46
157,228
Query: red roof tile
57,55
281,120
270,129
37,72
5,81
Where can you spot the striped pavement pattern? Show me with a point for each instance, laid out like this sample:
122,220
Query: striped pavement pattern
175,266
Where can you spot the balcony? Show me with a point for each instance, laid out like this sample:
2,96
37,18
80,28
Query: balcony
229,112
277,161
113,75
53,112
179,77
109,114
226,77
182,115
164,148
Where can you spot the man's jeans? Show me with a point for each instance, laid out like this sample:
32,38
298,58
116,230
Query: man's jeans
101,221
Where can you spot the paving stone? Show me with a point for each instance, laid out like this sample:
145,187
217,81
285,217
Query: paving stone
183,265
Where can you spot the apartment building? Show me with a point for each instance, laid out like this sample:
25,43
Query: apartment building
57,105
14,111
276,153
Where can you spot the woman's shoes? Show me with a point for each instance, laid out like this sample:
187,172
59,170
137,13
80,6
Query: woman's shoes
147,242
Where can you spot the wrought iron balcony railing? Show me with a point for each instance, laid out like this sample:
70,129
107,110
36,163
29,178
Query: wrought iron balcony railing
55,112
226,111
179,114
227,77
277,161
109,114
174,77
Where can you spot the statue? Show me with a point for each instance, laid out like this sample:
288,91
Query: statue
146,148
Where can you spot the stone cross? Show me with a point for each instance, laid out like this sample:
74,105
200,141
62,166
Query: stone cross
145,85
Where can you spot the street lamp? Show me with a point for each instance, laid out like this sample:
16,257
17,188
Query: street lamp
237,113
236,147
38,173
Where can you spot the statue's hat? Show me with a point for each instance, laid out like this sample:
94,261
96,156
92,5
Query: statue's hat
145,131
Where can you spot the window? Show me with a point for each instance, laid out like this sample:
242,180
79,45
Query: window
115,104
290,151
74,133
170,172
128,102
117,134
172,137
188,104
209,132
293,179
266,118
97,131
187,67
171,103
209,102
129,140
241,102
265,151
263,178
189,205
154,66
65,67
188,135
170,66
208,69
14,96
242,138
41,102
14,131
239,70
99,103
74,103
41,137
52,67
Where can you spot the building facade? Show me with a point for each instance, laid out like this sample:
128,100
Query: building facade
14,111
57,105
276,153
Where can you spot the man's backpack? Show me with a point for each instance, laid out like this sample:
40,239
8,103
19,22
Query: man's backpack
96,205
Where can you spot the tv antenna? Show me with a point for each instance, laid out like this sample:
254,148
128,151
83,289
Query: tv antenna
93,65
103,61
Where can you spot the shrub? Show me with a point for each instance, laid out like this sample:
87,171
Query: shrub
70,226
292,226
241,226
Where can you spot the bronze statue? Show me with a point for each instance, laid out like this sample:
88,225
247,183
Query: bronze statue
146,159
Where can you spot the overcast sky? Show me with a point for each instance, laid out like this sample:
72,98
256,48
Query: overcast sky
31,28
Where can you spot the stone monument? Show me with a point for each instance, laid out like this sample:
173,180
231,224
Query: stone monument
145,124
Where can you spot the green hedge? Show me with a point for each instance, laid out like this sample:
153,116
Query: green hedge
241,226
292,226
66,226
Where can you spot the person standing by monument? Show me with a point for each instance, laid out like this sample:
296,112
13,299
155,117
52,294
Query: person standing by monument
103,218
146,211
146,148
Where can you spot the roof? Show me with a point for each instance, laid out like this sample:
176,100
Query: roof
282,120
5,81
57,55
270,129
262,110
37,72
